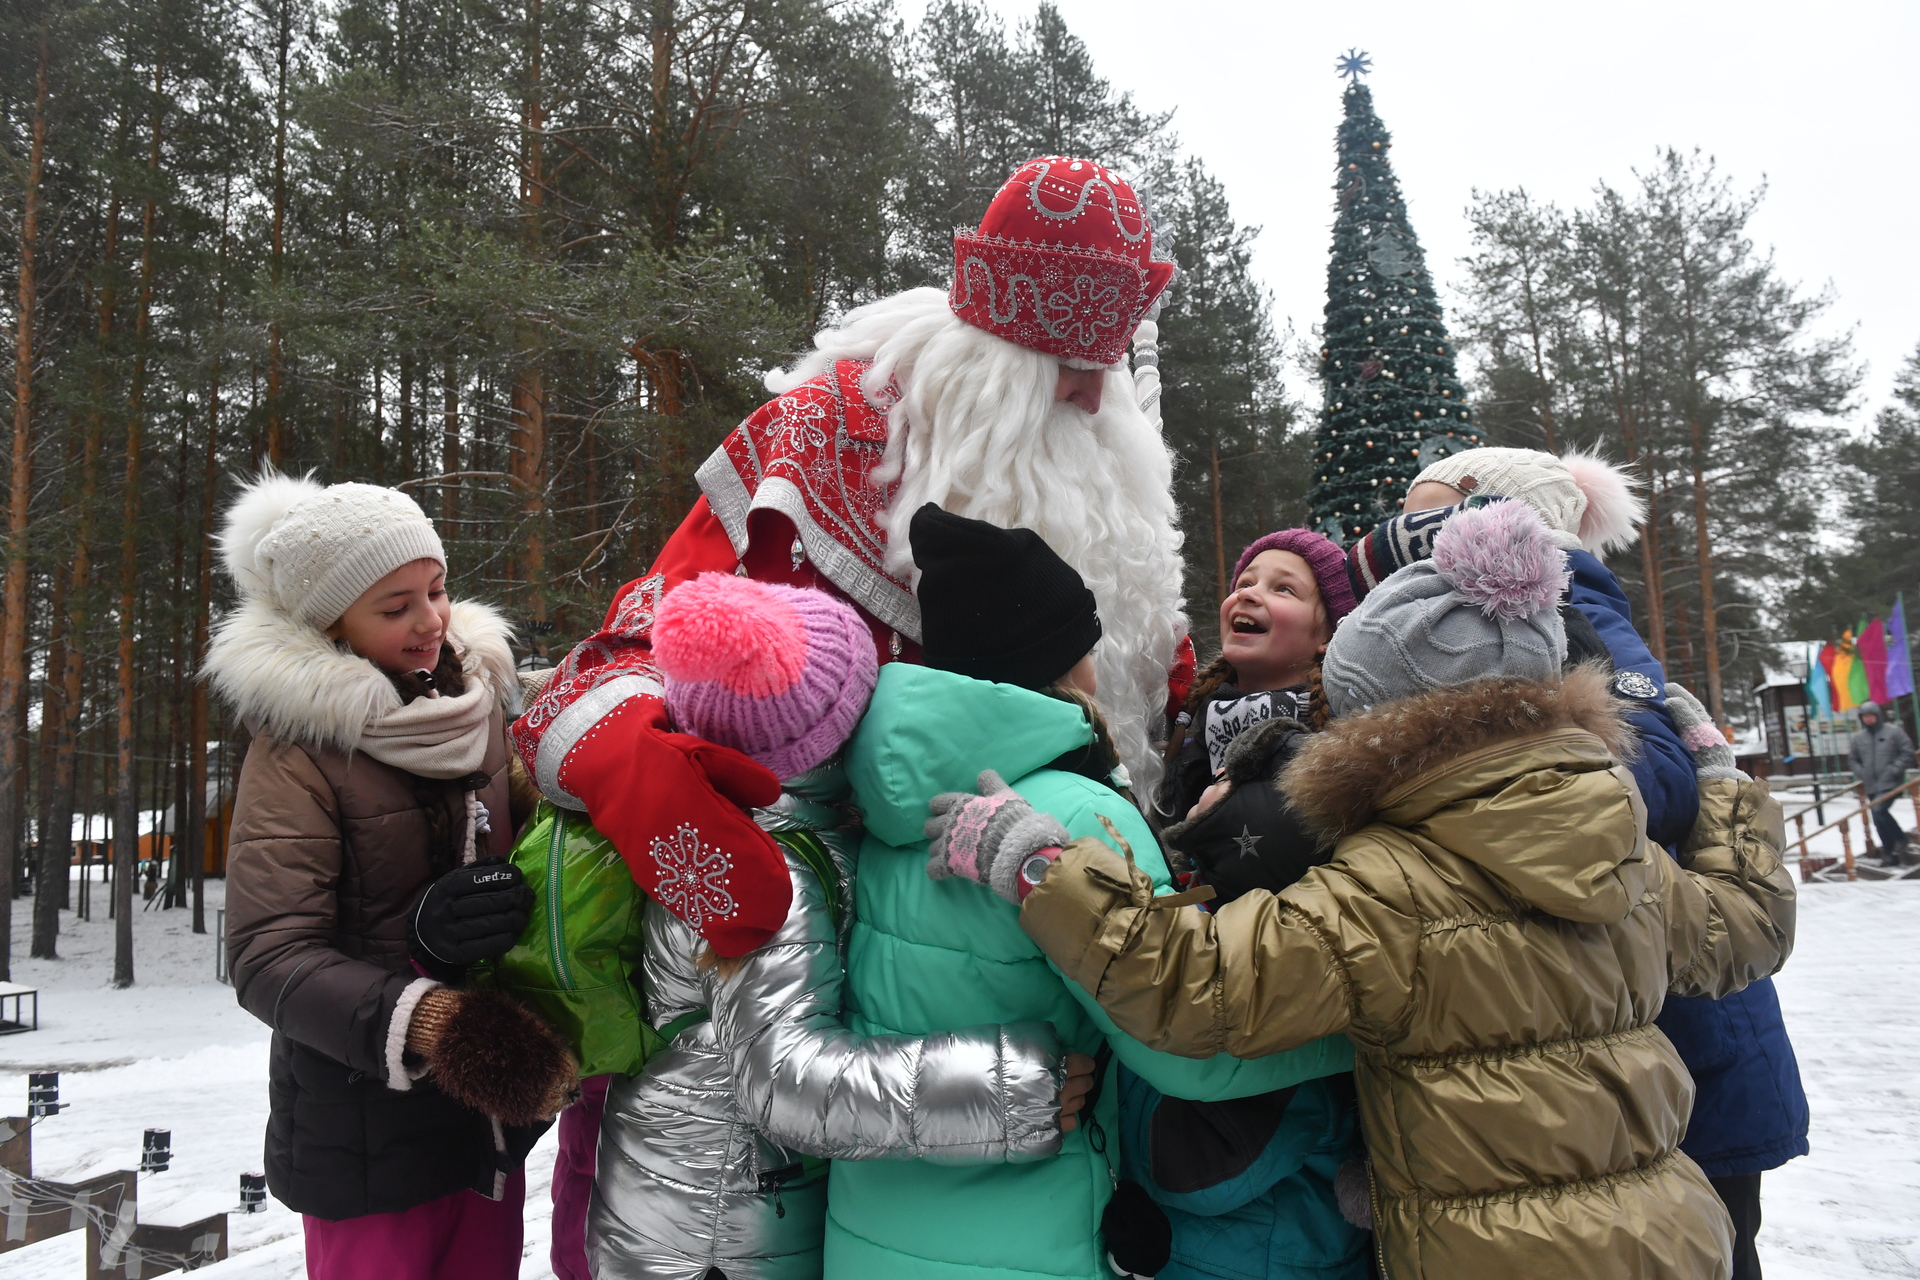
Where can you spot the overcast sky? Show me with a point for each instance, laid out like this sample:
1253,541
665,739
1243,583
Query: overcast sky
1819,99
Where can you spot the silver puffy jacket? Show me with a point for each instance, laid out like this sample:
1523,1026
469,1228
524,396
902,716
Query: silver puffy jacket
702,1155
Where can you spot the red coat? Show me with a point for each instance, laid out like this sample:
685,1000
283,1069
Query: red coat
785,499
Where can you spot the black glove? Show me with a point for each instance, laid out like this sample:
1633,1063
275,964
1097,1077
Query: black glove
1138,1236
476,912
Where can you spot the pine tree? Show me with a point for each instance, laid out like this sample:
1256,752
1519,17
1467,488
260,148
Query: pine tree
1392,404
1227,415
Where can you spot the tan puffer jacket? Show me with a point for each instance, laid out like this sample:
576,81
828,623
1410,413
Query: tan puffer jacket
1496,936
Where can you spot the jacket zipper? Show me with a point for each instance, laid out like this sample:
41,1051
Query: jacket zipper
1373,1196
556,940
772,1180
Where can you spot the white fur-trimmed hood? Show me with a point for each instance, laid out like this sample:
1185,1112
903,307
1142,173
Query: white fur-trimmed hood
289,680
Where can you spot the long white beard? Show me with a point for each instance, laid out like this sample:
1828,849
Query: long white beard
976,430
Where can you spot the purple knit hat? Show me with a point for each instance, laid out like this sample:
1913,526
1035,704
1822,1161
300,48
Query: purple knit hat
1323,556
780,673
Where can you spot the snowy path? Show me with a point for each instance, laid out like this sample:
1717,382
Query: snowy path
176,1051
1851,994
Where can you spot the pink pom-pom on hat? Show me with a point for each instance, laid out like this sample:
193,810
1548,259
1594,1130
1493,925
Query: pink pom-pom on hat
1502,558
780,673
745,634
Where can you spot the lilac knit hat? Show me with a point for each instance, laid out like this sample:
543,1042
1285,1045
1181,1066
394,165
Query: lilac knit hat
780,673
1323,556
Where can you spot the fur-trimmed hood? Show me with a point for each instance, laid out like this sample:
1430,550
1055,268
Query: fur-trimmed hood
1344,776
287,679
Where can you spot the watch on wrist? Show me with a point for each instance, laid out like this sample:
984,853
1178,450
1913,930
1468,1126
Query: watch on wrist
1034,868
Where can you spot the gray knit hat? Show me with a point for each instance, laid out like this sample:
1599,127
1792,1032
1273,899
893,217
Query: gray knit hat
309,551
1486,604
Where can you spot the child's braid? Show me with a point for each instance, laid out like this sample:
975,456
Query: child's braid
1318,713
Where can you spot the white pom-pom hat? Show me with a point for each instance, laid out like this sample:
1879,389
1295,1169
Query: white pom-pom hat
308,551
1586,501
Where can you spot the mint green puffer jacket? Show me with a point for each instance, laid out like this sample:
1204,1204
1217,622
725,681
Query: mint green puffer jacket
929,956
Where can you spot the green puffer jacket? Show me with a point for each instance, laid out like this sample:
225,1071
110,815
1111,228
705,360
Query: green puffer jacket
929,955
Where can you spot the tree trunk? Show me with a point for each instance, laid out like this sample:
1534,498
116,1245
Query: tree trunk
526,465
408,446
126,827
13,598
67,749
1652,566
175,793
56,843
527,431
1703,548
196,832
276,434
1539,362
1219,528
450,450
661,395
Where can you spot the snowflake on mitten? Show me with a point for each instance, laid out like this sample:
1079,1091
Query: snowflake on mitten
693,878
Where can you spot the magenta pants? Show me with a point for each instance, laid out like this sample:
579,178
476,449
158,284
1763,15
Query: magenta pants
464,1236
573,1170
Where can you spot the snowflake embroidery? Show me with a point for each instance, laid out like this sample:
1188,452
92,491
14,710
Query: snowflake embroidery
801,422
1091,309
693,877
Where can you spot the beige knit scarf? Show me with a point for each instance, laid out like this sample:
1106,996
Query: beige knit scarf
443,738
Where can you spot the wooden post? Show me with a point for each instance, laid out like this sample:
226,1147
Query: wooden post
1800,828
1846,845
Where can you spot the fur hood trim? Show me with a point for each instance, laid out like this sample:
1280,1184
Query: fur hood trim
287,679
1342,776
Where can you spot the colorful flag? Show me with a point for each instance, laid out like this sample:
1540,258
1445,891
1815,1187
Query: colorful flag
1819,699
1873,656
1857,688
1837,657
1899,661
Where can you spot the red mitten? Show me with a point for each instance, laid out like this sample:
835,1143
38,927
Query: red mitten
672,805
1180,678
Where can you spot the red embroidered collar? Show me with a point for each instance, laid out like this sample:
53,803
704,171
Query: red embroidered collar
810,454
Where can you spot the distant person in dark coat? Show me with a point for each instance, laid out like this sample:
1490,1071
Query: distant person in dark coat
1880,756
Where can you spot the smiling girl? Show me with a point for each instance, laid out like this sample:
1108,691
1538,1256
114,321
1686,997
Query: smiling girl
364,875
1290,591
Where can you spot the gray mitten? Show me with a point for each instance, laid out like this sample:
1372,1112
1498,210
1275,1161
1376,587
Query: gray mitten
985,837
1712,757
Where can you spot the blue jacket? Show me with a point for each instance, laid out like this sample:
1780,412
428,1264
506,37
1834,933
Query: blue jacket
1749,1111
1664,770
1277,1219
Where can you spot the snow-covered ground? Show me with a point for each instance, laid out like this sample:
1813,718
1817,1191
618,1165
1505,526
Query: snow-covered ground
175,1051
172,1051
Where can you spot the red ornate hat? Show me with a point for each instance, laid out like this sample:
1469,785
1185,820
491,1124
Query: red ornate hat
1062,263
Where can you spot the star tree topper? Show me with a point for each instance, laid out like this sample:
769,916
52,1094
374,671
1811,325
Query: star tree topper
1353,64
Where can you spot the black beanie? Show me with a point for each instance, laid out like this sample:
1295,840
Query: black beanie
998,604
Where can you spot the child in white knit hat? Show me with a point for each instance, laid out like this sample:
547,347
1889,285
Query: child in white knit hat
365,874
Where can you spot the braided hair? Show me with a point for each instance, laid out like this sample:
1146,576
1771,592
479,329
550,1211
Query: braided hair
1097,759
1220,672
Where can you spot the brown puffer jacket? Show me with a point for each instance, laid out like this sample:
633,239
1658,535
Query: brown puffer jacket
1496,936
330,853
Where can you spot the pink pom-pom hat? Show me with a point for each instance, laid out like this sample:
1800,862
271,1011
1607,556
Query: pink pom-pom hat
780,673
1503,558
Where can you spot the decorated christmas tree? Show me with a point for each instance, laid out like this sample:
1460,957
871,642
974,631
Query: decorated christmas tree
1391,402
